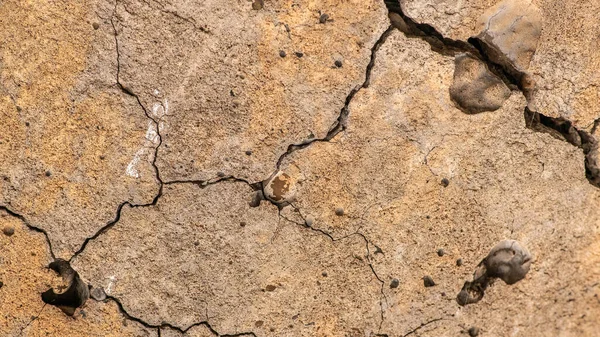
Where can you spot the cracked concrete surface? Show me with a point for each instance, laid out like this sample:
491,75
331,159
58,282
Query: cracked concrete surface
138,132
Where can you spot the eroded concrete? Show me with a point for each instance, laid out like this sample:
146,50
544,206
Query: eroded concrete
140,133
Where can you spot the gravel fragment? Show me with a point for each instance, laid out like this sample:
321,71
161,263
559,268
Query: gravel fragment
395,283
323,18
98,294
309,221
8,230
428,281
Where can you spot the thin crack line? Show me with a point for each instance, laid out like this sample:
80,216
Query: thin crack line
213,181
422,326
339,124
32,319
168,325
30,226
368,256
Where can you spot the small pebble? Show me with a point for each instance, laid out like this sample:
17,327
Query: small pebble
243,224
282,53
248,152
102,157
299,54
270,287
258,324
26,123
323,18
98,294
258,4
1,284
8,230
48,173
96,25
257,197
459,262
220,174
395,283
324,274
338,63
440,252
339,211
309,221
196,243
473,331
445,182
428,281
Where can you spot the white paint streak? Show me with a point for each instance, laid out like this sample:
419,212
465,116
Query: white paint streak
110,284
159,110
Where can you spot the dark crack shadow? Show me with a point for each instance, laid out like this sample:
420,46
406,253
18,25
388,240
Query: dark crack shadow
515,79
163,325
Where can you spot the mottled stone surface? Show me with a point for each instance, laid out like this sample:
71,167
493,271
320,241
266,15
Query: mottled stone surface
199,263
218,65
475,88
68,133
564,65
284,168
24,276
505,182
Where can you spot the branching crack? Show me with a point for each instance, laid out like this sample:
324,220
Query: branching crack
305,224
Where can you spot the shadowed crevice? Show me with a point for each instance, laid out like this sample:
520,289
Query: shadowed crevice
560,127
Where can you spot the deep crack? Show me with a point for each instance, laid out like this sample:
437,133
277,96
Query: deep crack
560,127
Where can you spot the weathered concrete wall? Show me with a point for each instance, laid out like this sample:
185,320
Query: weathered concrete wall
299,168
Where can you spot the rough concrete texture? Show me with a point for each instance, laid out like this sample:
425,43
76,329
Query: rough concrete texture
216,255
68,133
234,103
24,257
289,168
564,67
505,181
